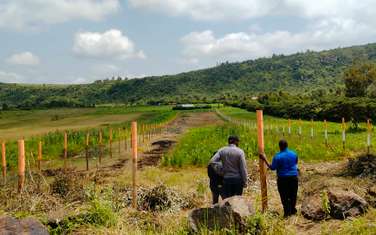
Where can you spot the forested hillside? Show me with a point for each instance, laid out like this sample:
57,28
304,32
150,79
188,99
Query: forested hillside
298,73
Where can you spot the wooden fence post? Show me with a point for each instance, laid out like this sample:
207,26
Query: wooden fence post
119,141
134,164
289,127
21,165
110,140
300,127
100,146
40,155
326,132
87,150
343,133
65,149
312,128
369,131
4,160
262,165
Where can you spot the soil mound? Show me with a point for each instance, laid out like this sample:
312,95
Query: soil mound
362,166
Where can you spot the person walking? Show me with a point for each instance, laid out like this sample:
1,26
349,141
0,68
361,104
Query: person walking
286,164
234,165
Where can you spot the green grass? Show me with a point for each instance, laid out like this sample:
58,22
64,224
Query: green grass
53,140
198,145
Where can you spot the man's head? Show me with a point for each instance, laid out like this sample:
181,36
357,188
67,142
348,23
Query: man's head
233,139
283,145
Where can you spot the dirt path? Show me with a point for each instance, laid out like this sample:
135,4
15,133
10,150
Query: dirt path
170,136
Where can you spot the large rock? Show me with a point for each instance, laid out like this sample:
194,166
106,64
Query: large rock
27,226
345,204
229,213
312,208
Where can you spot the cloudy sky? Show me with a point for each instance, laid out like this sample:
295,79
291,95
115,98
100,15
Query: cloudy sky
79,41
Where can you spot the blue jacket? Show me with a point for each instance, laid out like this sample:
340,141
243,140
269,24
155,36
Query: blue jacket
286,163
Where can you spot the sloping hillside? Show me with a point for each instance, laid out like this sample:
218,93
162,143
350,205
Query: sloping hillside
297,73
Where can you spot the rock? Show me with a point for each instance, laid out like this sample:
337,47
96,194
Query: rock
27,226
345,204
312,208
226,214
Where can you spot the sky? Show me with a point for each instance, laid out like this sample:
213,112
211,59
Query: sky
80,41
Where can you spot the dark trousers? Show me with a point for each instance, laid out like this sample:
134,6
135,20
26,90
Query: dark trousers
216,192
232,187
288,190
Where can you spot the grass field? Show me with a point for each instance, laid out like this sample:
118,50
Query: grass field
98,201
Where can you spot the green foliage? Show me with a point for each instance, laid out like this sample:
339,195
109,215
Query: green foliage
297,73
358,78
325,202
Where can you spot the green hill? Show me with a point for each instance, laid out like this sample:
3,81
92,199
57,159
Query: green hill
297,73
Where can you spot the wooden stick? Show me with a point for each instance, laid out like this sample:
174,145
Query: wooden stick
40,155
289,127
369,128
110,140
65,149
134,164
100,146
326,132
21,165
311,128
262,165
119,141
4,160
87,150
343,133
300,127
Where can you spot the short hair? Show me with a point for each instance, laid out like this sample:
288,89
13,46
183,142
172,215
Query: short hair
233,139
283,144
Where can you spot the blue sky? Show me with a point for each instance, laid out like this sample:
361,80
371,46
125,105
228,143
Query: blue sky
66,41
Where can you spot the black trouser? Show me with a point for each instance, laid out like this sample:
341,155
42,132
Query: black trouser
232,187
216,192
288,190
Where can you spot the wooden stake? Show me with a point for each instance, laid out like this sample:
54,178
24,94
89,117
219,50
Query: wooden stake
134,164
326,132
65,149
119,141
300,127
40,155
110,140
343,133
100,146
262,165
289,127
311,128
3,160
21,165
87,150
369,128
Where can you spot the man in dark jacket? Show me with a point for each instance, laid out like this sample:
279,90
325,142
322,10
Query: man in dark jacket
234,167
286,164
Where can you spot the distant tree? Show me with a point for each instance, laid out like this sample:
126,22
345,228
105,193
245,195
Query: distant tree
358,78
5,107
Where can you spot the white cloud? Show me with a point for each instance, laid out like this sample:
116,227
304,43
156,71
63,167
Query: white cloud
110,44
247,45
247,9
9,77
20,14
24,58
